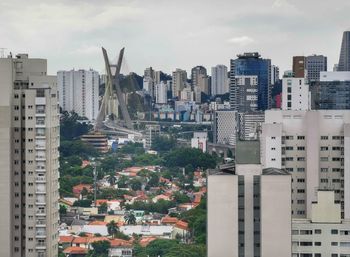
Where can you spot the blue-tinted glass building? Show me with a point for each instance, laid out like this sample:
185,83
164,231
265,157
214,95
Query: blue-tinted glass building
252,64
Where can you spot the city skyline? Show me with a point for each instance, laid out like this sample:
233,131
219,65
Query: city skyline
167,35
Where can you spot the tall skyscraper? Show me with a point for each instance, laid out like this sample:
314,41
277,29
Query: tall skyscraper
161,93
295,93
314,147
252,64
219,80
332,92
179,82
248,195
195,75
299,66
275,74
225,127
314,65
29,139
79,92
344,58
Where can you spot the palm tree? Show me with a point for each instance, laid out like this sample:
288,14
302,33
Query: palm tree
111,180
130,218
112,228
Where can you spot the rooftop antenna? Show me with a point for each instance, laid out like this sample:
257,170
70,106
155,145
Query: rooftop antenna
2,52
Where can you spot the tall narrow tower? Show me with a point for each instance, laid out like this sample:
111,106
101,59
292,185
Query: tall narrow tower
29,141
344,58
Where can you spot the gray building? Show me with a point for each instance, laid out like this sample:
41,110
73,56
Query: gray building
247,93
332,92
344,58
242,216
314,64
29,141
225,127
250,125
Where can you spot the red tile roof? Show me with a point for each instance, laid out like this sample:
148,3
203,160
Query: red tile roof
182,225
119,242
169,220
75,250
144,241
65,239
80,240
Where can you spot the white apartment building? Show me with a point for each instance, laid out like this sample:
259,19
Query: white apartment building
29,139
242,216
295,94
219,80
79,92
325,233
151,132
225,127
161,93
200,141
312,146
187,94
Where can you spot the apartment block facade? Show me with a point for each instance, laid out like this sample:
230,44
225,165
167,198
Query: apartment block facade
242,216
79,92
29,138
225,127
312,146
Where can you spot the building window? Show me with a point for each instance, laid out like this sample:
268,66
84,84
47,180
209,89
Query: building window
324,137
334,231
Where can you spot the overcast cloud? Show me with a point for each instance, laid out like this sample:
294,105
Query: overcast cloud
169,34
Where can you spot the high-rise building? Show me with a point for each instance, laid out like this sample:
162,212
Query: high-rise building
252,64
225,127
161,93
245,98
275,74
29,138
219,80
295,93
313,146
299,66
332,92
248,196
344,58
324,233
79,92
195,75
200,141
314,65
151,132
178,82
250,125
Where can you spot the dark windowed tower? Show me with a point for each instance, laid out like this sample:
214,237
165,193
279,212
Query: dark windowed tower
344,58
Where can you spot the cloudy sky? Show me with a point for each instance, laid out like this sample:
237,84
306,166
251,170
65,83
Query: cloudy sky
167,34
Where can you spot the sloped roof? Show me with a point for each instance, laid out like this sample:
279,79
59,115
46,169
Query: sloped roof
274,171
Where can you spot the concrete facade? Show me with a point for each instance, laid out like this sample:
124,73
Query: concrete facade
79,92
29,136
312,146
225,127
295,94
242,216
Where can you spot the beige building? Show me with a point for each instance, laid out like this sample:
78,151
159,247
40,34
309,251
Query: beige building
325,233
312,146
178,81
242,216
29,139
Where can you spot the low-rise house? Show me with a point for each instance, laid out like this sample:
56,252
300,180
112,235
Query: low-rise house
65,203
120,248
96,229
77,226
159,231
167,220
144,241
161,197
74,251
181,230
65,241
79,188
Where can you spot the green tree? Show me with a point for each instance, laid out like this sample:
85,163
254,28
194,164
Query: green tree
130,218
103,208
83,203
63,209
100,249
135,184
112,228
